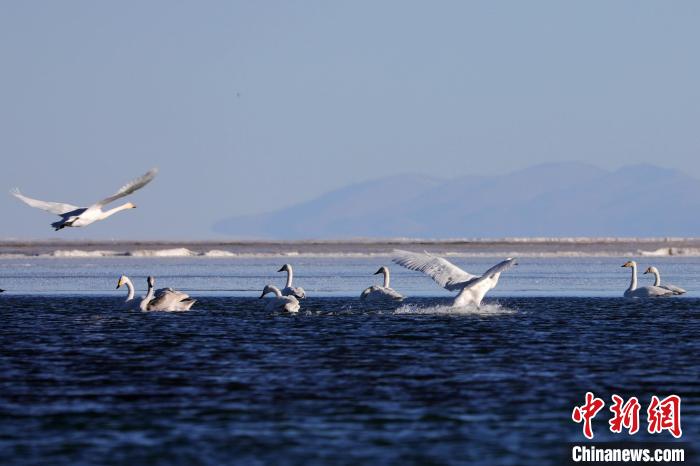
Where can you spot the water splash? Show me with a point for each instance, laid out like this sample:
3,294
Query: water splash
491,309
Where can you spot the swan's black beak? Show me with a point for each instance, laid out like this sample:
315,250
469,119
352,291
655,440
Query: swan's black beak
262,296
118,285
281,269
377,272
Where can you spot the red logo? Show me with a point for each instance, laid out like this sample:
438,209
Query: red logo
661,415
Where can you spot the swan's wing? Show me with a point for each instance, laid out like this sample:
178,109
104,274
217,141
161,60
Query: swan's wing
297,292
498,268
167,298
653,291
392,293
130,187
675,289
57,208
445,273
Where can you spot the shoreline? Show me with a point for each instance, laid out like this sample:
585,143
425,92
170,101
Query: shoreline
477,247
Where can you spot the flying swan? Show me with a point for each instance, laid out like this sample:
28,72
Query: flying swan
657,282
644,291
472,288
279,302
374,292
288,289
74,216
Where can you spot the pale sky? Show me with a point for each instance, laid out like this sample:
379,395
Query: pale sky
249,106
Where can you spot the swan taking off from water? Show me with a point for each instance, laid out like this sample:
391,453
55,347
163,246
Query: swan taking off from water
657,282
472,288
74,216
165,299
279,302
288,289
385,292
644,291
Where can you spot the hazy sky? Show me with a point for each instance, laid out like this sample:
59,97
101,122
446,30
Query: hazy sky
248,106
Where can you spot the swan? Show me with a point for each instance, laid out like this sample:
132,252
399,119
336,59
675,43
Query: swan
657,282
165,299
472,288
279,302
288,289
375,292
131,302
644,291
74,216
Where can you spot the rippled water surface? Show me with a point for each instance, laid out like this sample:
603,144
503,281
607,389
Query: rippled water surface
83,381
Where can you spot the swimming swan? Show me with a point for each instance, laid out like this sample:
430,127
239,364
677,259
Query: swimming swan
130,302
657,282
644,291
472,288
374,292
165,299
288,289
279,302
74,216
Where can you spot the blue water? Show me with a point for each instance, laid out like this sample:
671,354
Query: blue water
84,382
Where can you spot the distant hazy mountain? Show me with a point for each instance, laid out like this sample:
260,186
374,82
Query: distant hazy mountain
563,199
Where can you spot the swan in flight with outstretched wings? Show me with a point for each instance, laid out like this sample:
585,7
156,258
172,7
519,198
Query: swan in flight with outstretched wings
74,216
288,289
472,288
385,292
279,302
642,291
657,281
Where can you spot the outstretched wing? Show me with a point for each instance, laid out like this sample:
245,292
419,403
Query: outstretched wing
498,268
445,273
57,208
130,187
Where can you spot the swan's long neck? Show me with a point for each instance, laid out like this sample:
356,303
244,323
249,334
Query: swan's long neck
130,287
277,291
146,299
657,280
633,281
290,275
110,212
386,278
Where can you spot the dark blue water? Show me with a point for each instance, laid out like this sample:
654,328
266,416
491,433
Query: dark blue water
82,381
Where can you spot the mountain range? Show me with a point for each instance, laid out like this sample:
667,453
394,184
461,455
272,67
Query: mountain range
555,199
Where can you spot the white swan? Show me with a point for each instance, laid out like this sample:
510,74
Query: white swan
165,299
131,302
472,288
288,289
657,282
279,302
385,292
644,291
74,216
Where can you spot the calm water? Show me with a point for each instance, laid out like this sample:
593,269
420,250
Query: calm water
82,381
